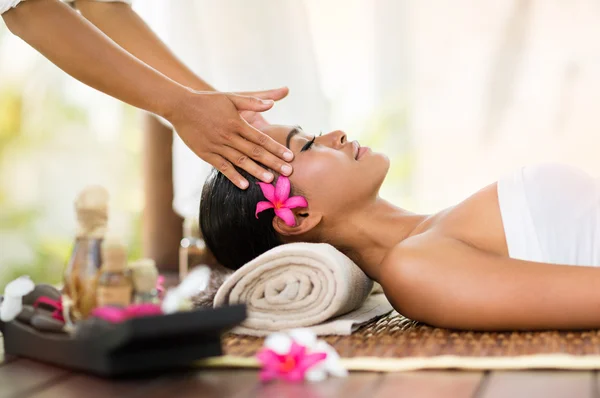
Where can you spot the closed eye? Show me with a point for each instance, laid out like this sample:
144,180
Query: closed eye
307,146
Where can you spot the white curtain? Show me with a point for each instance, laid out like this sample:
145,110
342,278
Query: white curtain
498,85
457,93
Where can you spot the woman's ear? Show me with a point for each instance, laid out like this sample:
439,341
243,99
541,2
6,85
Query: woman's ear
305,221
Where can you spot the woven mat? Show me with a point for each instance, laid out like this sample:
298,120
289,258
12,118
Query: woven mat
394,343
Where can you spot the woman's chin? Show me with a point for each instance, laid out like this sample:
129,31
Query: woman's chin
382,160
378,166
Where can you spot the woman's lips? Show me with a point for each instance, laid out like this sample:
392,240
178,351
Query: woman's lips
359,151
355,149
362,151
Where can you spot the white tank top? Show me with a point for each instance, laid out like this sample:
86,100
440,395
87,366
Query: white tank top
551,213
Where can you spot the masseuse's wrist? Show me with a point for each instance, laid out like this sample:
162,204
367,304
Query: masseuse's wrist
173,103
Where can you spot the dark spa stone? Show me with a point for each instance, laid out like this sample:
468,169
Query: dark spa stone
45,323
92,327
26,314
41,290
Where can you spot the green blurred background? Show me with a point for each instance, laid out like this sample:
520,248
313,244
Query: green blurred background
56,137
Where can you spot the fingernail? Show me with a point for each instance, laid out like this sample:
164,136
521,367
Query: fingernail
244,184
288,156
286,169
268,176
267,102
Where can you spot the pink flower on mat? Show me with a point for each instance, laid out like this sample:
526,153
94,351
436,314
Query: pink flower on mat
298,355
278,199
290,366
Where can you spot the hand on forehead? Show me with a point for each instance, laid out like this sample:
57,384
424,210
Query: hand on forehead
293,137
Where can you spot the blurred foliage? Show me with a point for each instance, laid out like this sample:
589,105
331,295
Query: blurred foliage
24,249
17,220
135,243
10,117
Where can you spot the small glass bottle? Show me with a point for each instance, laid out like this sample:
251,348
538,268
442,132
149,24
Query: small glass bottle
192,249
144,275
91,207
114,286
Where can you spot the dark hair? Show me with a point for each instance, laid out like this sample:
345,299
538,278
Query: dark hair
228,224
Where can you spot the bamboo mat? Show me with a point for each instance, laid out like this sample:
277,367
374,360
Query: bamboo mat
394,343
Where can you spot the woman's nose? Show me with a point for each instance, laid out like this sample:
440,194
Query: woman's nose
338,139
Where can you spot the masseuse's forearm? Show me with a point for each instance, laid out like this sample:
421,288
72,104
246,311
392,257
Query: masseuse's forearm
126,28
84,52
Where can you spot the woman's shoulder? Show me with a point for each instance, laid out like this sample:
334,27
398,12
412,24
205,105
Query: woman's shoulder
476,220
409,259
412,268
406,258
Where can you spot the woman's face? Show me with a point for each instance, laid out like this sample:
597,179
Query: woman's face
336,175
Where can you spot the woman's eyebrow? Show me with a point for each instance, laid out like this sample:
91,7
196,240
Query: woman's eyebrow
293,132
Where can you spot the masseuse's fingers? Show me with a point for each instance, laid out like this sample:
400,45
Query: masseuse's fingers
225,167
241,160
260,154
258,137
254,119
274,94
246,103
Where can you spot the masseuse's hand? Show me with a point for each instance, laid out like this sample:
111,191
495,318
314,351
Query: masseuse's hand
208,122
256,119
211,125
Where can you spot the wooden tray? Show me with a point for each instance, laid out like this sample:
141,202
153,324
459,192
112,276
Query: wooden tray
138,345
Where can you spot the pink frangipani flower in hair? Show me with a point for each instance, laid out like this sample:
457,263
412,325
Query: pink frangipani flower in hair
278,198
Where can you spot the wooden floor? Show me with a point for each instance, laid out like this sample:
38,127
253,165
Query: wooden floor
25,378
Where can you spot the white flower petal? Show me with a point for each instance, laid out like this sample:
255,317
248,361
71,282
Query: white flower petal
10,308
332,363
19,287
278,342
322,346
195,282
315,375
303,336
336,369
319,366
170,303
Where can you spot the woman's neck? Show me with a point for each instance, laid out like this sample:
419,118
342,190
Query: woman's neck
368,234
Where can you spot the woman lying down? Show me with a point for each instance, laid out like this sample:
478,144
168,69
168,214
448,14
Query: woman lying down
517,254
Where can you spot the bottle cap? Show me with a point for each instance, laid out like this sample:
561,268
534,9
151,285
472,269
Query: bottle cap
144,274
114,255
91,207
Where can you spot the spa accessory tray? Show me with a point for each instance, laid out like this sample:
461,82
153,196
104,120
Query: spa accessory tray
138,345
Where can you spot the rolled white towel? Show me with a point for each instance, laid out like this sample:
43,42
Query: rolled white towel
302,285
